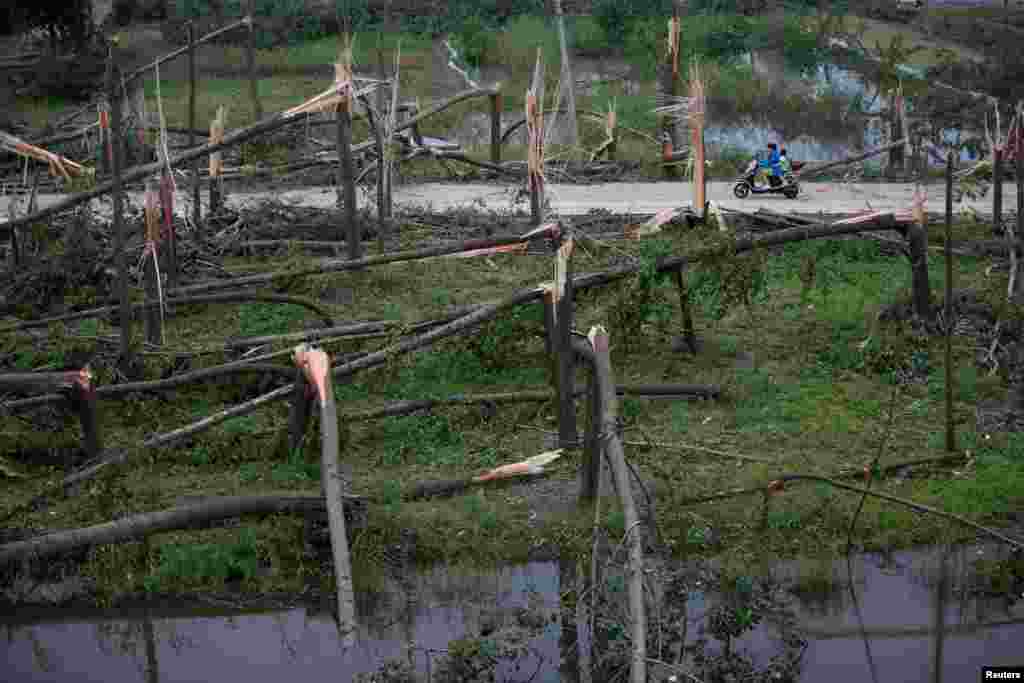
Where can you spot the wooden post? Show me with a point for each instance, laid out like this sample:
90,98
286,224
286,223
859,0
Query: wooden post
997,190
120,260
950,428
250,61
496,106
196,209
347,180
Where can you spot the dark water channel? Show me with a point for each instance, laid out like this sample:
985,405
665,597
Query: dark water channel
920,611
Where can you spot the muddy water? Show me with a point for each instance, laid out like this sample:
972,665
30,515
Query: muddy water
910,616
410,623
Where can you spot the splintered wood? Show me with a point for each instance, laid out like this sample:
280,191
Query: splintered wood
556,290
529,467
59,165
217,137
535,138
340,92
697,113
652,226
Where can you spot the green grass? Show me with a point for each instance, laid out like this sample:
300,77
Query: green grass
259,319
816,403
185,565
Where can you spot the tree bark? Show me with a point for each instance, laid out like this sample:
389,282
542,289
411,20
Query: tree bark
315,364
496,108
568,81
566,364
620,475
226,297
250,60
121,261
921,293
997,190
805,172
197,213
149,523
950,428
347,181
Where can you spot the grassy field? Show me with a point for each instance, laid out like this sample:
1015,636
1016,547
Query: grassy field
815,399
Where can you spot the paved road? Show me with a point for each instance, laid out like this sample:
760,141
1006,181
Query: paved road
829,198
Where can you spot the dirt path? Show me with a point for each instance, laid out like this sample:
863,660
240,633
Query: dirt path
644,198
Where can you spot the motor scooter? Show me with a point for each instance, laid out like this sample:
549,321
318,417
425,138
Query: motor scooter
788,186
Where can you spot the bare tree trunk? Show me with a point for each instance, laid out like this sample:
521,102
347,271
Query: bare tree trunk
347,180
496,107
196,200
568,82
121,261
997,190
250,61
152,664
917,254
316,365
148,523
620,475
567,434
950,433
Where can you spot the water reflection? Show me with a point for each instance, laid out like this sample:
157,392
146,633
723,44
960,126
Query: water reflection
875,617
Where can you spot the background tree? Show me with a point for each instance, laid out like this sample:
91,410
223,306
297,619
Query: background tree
67,22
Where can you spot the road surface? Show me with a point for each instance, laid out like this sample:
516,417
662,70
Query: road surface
644,198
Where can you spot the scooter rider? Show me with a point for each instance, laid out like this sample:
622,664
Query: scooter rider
772,163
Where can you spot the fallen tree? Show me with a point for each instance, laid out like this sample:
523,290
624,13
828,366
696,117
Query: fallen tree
182,517
479,316
230,297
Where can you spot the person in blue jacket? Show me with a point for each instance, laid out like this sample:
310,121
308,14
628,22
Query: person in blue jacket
772,163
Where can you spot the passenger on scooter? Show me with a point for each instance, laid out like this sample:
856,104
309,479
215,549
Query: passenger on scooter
784,164
772,163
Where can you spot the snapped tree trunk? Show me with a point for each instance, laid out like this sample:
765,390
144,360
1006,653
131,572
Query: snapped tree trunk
120,259
950,428
917,254
148,523
620,476
316,366
568,82
347,181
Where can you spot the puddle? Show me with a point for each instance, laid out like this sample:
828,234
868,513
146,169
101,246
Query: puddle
164,645
922,618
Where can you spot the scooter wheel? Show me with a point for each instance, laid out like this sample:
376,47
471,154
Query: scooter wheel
791,192
741,190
